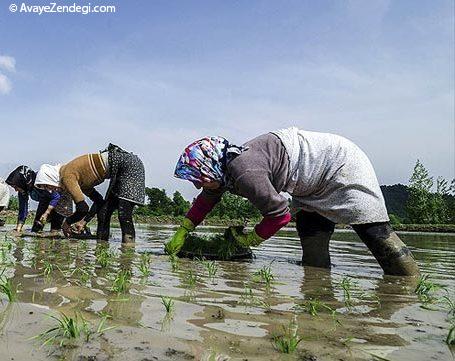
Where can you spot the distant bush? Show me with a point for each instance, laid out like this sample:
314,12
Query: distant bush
13,203
394,219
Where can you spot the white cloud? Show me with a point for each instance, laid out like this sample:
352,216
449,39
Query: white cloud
7,63
5,84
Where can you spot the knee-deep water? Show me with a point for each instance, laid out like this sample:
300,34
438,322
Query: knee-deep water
222,310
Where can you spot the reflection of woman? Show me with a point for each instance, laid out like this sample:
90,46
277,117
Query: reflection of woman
330,179
79,178
52,206
4,197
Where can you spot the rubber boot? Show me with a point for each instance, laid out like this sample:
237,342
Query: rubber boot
128,238
394,257
315,250
314,231
388,249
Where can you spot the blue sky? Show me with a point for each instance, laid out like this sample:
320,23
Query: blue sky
157,74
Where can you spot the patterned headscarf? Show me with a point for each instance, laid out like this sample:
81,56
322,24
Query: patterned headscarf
22,177
205,160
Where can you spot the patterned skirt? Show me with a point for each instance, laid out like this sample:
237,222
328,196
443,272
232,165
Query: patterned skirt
65,204
127,174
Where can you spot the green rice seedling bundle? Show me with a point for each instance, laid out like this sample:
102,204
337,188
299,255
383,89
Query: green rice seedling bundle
219,247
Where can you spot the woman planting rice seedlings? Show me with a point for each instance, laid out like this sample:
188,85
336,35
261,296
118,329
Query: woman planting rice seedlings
53,205
79,178
330,179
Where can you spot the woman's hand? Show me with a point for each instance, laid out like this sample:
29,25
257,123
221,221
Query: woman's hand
66,228
79,227
18,228
245,239
43,218
179,237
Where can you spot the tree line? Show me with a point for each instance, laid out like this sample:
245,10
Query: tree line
425,200
229,207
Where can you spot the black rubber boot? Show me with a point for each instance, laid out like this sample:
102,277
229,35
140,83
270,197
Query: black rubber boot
125,217
104,218
388,249
314,231
128,238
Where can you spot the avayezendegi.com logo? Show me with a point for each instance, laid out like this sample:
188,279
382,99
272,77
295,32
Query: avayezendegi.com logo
56,8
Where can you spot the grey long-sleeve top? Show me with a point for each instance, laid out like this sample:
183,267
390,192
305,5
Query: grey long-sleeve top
259,174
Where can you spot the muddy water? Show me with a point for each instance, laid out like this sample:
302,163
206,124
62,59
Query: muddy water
219,318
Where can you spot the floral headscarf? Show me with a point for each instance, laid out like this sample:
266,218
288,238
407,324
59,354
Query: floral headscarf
205,160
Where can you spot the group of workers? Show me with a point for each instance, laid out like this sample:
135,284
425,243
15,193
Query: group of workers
56,187
330,179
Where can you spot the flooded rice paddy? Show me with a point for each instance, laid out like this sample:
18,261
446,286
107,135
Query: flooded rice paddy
223,310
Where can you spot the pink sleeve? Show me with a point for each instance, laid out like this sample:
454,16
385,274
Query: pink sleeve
270,225
200,208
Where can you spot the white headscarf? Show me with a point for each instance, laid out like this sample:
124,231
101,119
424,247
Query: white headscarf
48,175
4,194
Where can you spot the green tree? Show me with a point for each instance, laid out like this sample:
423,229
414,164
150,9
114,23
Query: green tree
234,207
13,203
179,204
394,219
419,202
423,205
159,203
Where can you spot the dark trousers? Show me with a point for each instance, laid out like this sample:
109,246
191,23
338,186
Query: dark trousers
391,253
125,217
55,219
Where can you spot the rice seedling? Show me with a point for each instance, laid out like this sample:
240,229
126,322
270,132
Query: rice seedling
168,304
426,289
122,281
101,328
313,307
450,304
47,268
5,253
347,284
249,299
66,329
104,256
450,340
174,262
190,279
83,274
211,267
7,288
144,264
83,245
265,274
287,341
70,329
7,244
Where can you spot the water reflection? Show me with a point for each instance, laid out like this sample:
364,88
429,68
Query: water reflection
211,314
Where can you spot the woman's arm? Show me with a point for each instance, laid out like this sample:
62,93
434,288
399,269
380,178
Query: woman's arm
23,210
71,185
202,205
98,202
274,207
55,197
